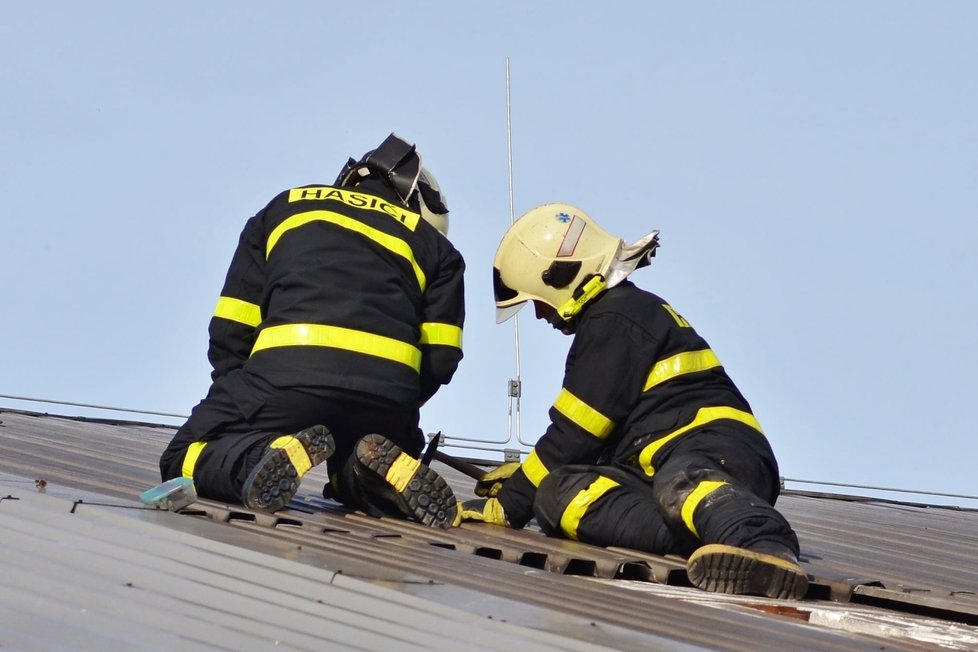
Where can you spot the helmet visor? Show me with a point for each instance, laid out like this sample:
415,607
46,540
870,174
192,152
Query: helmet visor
503,292
502,314
431,193
505,295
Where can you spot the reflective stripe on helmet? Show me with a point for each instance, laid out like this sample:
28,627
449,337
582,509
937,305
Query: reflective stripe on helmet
571,237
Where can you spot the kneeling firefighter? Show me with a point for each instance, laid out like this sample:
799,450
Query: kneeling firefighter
341,314
651,446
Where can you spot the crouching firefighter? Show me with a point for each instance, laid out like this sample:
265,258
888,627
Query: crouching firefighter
341,314
651,446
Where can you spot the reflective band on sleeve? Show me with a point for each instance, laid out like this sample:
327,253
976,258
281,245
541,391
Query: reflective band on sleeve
534,469
393,244
679,364
338,338
438,333
570,520
190,459
237,310
703,416
694,499
675,315
296,452
401,471
583,414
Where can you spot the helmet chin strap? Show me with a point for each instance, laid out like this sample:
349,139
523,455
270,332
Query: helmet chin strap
590,289
627,260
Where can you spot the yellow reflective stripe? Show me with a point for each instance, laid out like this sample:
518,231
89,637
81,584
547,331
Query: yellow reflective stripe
675,315
583,414
401,471
575,304
296,452
391,243
190,459
444,334
679,364
237,310
694,499
534,469
357,200
571,518
703,416
337,337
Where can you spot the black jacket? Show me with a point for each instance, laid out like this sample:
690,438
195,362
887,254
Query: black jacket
342,288
637,378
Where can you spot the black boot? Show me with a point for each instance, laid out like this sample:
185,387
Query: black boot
412,489
276,478
727,569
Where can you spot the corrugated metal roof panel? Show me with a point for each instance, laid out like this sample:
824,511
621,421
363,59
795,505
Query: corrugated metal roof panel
103,578
858,553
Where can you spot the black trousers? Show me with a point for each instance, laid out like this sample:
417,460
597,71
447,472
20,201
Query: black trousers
243,413
734,468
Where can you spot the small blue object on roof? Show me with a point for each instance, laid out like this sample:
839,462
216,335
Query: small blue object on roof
172,495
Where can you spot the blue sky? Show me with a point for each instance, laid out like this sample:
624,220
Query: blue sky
812,167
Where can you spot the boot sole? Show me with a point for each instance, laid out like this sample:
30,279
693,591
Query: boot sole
276,478
726,569
418,491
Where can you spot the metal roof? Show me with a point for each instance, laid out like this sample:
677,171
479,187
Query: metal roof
86,567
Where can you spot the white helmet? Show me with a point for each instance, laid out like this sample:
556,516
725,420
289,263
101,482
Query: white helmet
557,254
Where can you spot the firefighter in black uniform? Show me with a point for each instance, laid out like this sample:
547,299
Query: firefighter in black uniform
341,314
651,445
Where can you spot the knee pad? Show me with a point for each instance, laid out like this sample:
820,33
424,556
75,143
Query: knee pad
679,494
555,493
564,497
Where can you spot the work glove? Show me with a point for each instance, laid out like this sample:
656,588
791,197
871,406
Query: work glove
484,510
492,481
